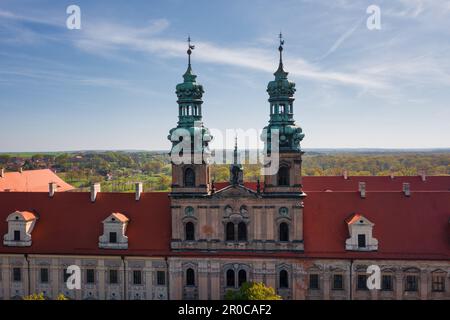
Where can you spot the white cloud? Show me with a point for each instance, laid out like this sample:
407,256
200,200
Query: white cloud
105,38
8,15
341,39
417,8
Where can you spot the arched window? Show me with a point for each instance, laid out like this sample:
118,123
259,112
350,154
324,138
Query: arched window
190,277
190,231
284,279
284,231
189,177
242,277
230,278
229,231
283,176
242,231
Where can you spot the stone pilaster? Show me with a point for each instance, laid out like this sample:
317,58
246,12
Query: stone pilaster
101,282
175,278
215,280
203,291
423,284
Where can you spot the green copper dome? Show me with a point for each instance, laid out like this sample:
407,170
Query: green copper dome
281,88
189,90
281,98
189,94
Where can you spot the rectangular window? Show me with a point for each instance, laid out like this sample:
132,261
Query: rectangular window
17,274
44,275
362,282
313,281
411,283
137,277
90,276
160,278
113,237
113,277
438,283
16,235
386,282
338,282
361,240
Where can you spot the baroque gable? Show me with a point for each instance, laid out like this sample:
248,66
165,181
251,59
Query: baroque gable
235,191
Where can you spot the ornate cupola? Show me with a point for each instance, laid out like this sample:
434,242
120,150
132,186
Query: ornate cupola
282,127
190,152
189,94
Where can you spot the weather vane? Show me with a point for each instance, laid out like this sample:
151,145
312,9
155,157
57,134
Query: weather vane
281,39
280,48
190,48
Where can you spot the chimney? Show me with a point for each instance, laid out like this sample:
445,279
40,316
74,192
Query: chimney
52,186
2,173
138,190
406,189
423,175
345,174
362,189
95,188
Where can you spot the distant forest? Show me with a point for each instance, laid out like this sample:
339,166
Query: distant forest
119,170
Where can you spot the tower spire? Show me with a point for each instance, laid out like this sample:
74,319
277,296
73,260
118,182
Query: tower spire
280,73
235,154
280,48
188,75
236,171
190,168
281,97
189,51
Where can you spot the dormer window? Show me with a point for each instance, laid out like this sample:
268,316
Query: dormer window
113,237
361,240
360,231
114,229
20,227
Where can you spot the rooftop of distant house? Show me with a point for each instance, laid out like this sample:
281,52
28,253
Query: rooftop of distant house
31,181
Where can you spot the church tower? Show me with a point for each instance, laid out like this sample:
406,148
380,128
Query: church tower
190,153
282,137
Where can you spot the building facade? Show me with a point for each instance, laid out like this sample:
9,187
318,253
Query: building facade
307,237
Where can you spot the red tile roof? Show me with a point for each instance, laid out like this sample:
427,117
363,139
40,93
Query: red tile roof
353,218
69,223
373,183
121,217
32,181
406,227
415,227
26,215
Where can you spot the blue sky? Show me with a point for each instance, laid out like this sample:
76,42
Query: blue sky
111,84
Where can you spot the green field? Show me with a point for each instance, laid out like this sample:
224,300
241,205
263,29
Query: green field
119,170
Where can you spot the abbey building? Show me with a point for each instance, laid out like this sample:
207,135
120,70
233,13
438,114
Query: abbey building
307,237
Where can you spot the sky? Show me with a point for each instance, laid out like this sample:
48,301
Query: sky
111,84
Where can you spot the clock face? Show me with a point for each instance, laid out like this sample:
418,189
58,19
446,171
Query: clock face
284,211
189,211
